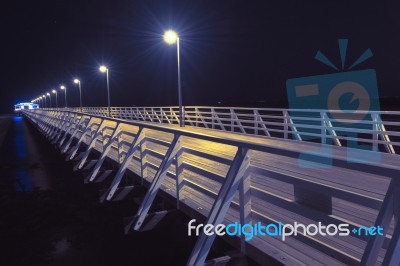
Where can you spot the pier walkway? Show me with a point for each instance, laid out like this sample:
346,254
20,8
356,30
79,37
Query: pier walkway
227,167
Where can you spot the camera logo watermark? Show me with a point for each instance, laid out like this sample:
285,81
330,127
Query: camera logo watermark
280,230
345,97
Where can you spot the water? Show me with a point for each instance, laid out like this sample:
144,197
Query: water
25,164
48,217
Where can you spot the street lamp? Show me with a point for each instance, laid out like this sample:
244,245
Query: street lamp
77,81
65,93
171,37
45,101
48,94
55,92
41,100
104,69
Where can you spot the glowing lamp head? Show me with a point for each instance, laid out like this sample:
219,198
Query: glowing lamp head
54,91
103,69
48,94
62,87
170,37
44,96
76,81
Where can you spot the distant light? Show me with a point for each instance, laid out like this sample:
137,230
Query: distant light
48,94
54,91
76,81
170,37
44,96
103,69
62,87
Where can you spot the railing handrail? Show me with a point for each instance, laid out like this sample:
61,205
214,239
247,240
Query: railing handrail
273,122
257,145
235,108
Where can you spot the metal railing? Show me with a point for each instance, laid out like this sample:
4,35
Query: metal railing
378,129
170,159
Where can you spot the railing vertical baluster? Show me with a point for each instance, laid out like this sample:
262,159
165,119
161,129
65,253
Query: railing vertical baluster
213,116
196,112
323,127
256,120
375,129
232,116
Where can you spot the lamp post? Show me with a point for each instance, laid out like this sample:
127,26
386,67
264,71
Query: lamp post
55,92
77,81
65,93
48,94
171,37
45,101
104,69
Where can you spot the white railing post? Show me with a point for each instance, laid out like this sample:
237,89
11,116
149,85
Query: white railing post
196,111
212,115
286,124
232,113
256,119
375,129
322,115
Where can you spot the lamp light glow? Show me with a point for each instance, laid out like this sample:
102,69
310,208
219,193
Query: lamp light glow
76,81
170,37
103,69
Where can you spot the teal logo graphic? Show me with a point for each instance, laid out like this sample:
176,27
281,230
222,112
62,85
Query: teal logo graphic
335,105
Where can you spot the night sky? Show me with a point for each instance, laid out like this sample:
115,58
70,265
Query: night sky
239,53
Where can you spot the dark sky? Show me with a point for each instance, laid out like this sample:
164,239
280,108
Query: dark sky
234,52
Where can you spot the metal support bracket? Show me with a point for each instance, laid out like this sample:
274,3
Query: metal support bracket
155,185
383,220
77,126
116,131
240,164
124,166
104,154
74,149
